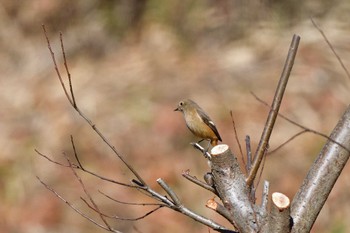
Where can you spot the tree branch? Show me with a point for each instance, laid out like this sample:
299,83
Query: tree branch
265,137
230,184
74,105
76,209
178,206
322,176
198,182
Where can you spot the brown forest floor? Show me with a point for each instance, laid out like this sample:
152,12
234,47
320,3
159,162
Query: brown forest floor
129,73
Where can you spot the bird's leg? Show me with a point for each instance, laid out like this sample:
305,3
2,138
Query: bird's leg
199,147
206,153
200,141
208,146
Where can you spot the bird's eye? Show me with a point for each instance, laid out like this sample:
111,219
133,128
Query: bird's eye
181,103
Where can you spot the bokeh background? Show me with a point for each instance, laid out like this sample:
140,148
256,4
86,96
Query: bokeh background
131,62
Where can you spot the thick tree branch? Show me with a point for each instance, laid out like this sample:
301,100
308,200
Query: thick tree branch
322,176
230,184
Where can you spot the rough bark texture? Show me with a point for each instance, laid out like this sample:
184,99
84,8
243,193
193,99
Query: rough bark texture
230,184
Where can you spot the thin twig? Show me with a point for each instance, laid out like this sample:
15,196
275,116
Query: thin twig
237,140
87,171
177,205
74,208
169,191
129,203
53,161
331,47
55,64
264,141
303,127
249,153
67,70
120,218
262,166
286,142
78,110
88,194
75,153
198,182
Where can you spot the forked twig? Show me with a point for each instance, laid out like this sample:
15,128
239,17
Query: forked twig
129,203
85,170
56,67
53,161
88,194
74,105
74,208
120,218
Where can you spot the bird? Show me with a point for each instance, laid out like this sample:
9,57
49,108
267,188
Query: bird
198,122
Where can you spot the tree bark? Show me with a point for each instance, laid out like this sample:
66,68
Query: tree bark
322,176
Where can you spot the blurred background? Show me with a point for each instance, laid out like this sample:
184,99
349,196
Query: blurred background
131,61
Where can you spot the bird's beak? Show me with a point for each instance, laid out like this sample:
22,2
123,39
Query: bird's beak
177,109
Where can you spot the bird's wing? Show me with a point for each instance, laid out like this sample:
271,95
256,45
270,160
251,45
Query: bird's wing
209,122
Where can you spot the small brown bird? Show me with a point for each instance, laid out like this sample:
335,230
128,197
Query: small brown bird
198,122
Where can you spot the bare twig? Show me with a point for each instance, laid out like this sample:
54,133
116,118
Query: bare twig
237,140
56,67
169,191
53,161
129,203
198,182
262,166
178,206
286,142
68,73
249,153
88,194
76,209
87,171
120,218
73,103
264,141
303,127
75,153
331,47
